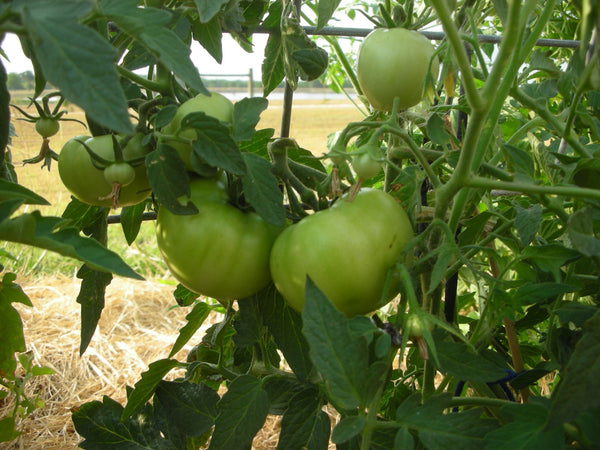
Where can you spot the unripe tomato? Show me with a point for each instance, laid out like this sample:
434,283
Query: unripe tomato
220,252
347,251
215,105
394,63
88,184
120,173
47,127
368,163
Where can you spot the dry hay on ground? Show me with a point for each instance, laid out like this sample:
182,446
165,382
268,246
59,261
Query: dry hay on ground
136,328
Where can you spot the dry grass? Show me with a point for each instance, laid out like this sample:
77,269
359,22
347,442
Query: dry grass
137,325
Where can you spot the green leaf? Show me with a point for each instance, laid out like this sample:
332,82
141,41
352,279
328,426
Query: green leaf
131,221
261,190
7,429
581,232
347,428
522,163
12,339
186,406
146,385
579,390
464,430
51,233
549,258
404,440
285,324
340,356
12,191
213,143
536,292
248,324
525,429
272,68
527,222
462,363
169,179
281,390
75,59
99,423
575,313
91,298
207,9
149,27
311,62
325,10
242,412
246,114
210,37
183,296
304,424
195,318
436,130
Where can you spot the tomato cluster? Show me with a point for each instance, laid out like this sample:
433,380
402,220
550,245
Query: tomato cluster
92,182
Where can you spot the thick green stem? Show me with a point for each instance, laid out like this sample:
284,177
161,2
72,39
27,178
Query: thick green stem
140,80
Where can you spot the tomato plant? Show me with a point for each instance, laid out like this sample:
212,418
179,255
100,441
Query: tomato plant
347,250
220,252
475,251
395,63
90,183
215,105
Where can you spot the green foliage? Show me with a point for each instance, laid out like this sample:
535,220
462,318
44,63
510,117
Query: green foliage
497,169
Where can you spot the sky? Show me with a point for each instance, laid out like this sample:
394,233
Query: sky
235,60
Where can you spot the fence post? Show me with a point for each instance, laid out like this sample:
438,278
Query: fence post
250,83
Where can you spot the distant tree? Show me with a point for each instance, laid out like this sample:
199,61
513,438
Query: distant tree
20,81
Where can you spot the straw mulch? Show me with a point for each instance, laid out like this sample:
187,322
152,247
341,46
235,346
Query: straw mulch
137,327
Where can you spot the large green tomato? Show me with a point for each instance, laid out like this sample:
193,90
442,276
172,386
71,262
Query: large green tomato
88,183
220,252
346,250
214,105
394,63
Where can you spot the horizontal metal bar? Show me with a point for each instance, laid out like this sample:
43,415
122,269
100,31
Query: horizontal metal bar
150,215
433,35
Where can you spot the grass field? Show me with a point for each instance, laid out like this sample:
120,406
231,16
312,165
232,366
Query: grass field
139,323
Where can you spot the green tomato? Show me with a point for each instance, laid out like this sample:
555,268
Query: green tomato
368,162
394,63
220,252
215,105
346,250
47,127
88,184
415,326
120,173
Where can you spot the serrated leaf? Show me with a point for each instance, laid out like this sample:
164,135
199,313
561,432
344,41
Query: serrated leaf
464,430
194,320
12,339
575,313
189,407
549,258
340,357
304,424
272,68
12,191
261,190
210,36
579,390
312,62
281,390
46,232
242,412
525,430
248,325
246,114
285,324
536,292
527,222
459,361
325,10
445,257
214,144
146,385
207,9
91,298
79,62
581,232
522,163
436,130
131,221
149,27
99,423
169,179
347,428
